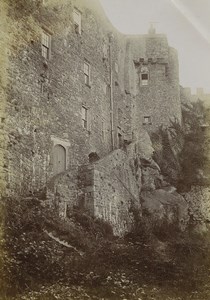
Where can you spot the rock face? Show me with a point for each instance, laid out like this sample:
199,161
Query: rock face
198,199
163,205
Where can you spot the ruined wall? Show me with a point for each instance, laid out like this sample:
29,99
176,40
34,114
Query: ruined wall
112,187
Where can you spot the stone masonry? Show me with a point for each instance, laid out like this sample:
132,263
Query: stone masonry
75,90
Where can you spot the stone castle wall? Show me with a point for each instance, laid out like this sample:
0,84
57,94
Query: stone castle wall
45,97
159,100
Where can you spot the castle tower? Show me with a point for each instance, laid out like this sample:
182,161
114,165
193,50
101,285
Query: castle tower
157,81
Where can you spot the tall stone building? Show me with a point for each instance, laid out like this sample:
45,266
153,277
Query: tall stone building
74,90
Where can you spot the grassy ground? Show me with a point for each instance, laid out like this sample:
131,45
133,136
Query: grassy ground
155,262
124,269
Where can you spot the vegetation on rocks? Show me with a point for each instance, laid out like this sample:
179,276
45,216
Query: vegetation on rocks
181,150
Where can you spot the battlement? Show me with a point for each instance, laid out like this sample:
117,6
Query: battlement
146,61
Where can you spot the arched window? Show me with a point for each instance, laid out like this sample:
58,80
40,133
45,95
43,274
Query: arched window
59,159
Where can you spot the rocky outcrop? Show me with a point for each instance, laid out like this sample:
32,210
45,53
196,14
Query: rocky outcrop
198,200
159,198
162,205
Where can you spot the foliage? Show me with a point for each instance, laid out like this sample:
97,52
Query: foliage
193,155
180,150
167,143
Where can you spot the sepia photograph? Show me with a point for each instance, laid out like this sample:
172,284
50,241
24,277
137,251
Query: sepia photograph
104,149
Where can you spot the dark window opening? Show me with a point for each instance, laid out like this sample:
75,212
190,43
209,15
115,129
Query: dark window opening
87,73
76,27
147,120
93,156
84,117
77,21
144,79
144,76
120,140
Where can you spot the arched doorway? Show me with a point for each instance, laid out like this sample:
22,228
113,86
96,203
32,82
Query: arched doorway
59,159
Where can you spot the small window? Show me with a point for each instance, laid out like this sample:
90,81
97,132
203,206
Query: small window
108,90
87,73
105,52
77,20
103,132
120,140
46,45
84,117
116,67
147,120
144,79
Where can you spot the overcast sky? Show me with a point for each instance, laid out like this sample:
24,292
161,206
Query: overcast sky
185,22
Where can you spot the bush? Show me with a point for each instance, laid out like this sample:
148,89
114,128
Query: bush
181,150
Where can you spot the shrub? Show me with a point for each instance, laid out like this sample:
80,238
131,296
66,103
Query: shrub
181,150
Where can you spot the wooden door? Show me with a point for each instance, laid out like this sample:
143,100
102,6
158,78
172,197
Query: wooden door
59,159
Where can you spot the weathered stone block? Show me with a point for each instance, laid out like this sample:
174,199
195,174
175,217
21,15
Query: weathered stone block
162,205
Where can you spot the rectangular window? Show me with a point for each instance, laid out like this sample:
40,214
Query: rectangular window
108,90
144,79
120,140
87,72
147,120
77,20
46,45
116,67
84,117
105,52
103,131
